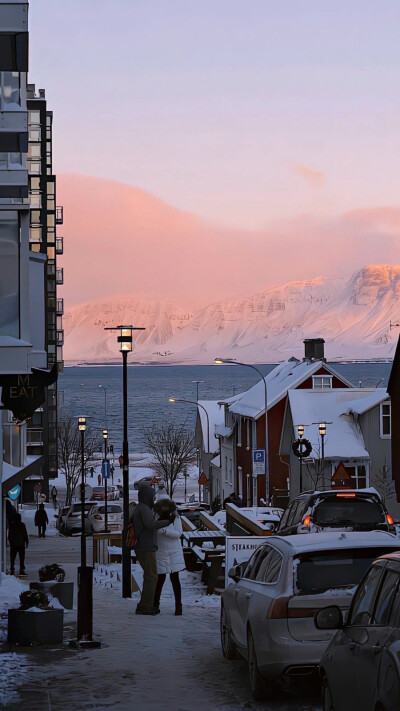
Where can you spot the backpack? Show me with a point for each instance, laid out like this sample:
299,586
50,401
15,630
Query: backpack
130,539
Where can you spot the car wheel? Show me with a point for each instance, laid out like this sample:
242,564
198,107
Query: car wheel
257,683
327,701
228,646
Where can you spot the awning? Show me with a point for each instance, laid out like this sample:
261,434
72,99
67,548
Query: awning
15,475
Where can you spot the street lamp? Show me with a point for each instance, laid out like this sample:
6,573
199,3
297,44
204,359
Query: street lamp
85,572
192,402
125,347
300,434
105,388
197,383
230,361
105,437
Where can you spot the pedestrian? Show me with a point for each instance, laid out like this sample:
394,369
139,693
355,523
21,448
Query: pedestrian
161,493
228,500
99,479
18,537
169,553
54,496
41,520
121,461
145,527
91,472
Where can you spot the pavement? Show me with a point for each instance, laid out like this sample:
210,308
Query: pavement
162,663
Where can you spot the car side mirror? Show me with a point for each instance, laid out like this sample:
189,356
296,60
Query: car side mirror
235,573
329,618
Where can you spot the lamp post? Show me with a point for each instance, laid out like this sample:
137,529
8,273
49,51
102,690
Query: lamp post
322,433
85,572
300,434
192,402
125,341
105,388
197,383
105,437
230,361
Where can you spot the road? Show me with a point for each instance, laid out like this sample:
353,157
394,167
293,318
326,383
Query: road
150,664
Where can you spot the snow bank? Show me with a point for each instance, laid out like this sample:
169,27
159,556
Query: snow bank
10,590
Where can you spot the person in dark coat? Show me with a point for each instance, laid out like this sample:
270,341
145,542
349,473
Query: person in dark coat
41,520
145,527
18,537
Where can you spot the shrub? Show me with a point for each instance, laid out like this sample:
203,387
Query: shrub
33,598
53,571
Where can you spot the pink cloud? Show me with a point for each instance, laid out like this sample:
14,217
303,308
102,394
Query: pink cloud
314,178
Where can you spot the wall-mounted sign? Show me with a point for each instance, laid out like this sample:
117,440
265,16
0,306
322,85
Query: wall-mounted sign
258,462
14,493
23,394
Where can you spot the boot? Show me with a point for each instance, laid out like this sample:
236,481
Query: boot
178,608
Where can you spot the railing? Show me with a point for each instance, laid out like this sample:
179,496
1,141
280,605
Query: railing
59,215
34,436
59,307
60,276
59,245
60,338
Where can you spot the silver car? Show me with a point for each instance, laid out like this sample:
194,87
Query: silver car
267,611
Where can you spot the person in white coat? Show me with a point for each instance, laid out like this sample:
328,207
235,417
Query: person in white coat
169,554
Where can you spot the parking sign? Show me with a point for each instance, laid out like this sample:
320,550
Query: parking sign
258,462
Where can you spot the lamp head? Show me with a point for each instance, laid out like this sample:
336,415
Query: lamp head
105,434
300,430
81,424
171,399
125,338
322,428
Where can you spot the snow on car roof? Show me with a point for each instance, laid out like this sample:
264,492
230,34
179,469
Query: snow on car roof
307,542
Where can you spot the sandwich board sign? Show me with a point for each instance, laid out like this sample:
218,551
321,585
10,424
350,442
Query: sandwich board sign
238,549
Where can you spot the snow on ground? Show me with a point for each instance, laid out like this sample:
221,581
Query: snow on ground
10,590
28,516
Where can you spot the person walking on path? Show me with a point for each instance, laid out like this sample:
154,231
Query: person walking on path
18,537
169,554
146,527
54,496
41,520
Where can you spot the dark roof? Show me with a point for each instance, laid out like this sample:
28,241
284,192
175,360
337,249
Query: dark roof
394,379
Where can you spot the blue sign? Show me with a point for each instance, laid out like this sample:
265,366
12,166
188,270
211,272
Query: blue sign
258,462
14,493
105,469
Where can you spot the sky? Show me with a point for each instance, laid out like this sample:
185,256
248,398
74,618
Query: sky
244,112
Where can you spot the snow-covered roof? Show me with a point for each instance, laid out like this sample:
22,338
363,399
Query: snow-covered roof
9,471
301,543
343,437
361,405
286,375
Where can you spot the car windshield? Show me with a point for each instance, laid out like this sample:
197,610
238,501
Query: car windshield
320,571
97,489
340,511
110,509
78,507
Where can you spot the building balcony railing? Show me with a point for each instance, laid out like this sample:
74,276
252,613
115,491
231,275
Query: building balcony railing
60,307
59,215
60,276
51,268
34,436
60,338
60,366
59,245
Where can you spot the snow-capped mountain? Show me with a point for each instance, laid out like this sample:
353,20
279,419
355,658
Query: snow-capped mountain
352,316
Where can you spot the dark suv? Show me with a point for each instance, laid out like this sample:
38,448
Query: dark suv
346,509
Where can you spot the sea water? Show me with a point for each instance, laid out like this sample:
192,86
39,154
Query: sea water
96,391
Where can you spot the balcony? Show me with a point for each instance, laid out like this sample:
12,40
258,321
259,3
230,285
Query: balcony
59,215
60,338
60,307
51,268
13,183
59,245
60,276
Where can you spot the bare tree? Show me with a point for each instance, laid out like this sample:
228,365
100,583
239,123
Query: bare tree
316,468
173,449
69,451
384,483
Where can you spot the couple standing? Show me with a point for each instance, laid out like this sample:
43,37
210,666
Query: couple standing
158,549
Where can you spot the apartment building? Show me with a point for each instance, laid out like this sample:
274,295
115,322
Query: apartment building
30,326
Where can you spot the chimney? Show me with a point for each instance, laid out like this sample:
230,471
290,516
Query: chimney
314,349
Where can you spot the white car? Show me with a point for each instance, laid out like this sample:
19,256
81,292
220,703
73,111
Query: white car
97,517
267,611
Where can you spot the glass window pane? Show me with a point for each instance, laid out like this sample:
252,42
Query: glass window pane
9,274
385,598
363,600
10,87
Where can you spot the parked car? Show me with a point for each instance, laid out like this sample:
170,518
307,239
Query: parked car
345,509
97,517
60,518
192,512
143,480
362,661
267,610
73,519
113,493
98,493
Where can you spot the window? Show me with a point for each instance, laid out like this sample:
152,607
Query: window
9,90
247,434
35,134
385,598
358,475
239,431
254,434
327,570
34,150
34,118
251,569
322,382
270,567
363,600
385,423
10,161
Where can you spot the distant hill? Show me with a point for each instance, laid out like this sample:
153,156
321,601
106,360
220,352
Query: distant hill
353,315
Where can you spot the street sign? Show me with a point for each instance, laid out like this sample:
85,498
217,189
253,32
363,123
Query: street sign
14,493
258,462
341,478
88,492
105,469
37,488
154,480
202,480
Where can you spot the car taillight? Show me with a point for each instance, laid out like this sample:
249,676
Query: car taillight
278,609
346,496
97,517
306,520
389,520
